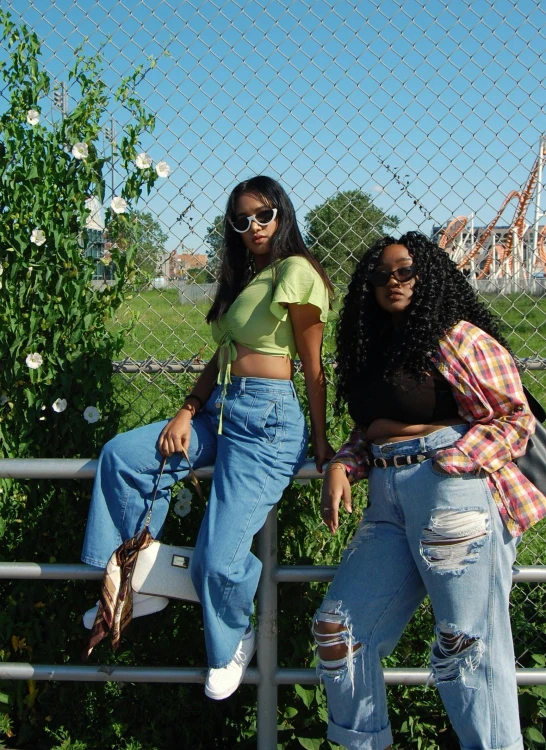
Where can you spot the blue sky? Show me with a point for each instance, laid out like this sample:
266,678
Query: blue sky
318,94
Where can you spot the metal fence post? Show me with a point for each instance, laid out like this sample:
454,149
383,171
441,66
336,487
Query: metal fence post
267,636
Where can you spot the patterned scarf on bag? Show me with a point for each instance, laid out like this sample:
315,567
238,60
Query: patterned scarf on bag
116,598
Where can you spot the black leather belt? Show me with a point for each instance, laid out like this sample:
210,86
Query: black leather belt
399,461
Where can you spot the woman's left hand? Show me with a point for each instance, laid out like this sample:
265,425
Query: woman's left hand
323,452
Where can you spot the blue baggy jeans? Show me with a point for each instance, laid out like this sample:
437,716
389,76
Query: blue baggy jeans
262,445
424,533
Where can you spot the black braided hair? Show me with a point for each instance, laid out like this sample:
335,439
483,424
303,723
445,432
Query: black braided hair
441,298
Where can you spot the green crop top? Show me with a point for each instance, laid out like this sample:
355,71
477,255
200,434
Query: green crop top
257,319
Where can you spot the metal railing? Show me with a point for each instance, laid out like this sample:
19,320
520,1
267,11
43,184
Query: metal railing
267,676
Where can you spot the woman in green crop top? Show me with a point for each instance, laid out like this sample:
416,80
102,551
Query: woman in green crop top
243,415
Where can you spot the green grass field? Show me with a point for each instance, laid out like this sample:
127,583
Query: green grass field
163,328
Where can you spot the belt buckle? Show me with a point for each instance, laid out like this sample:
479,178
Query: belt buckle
381,463
406,460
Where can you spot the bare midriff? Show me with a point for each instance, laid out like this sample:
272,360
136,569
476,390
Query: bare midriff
383,431
251,364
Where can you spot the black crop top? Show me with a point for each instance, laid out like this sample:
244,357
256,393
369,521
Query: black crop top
404,400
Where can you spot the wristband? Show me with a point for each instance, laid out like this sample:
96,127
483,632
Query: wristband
197,398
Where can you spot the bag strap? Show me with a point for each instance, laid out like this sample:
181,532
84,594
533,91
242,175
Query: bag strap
193,477
536,407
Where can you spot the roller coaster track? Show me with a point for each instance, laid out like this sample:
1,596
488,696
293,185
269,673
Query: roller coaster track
514,235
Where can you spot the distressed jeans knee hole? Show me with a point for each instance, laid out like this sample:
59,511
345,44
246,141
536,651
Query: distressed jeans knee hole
453,539
455,654
333,637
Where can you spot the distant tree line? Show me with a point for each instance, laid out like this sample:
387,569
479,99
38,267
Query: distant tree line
337,232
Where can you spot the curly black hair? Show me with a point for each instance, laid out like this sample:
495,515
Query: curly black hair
441,298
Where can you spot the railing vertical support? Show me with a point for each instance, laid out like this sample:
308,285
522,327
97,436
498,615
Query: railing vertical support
267,635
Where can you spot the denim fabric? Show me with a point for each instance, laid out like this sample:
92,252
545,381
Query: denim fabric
263,444
425,533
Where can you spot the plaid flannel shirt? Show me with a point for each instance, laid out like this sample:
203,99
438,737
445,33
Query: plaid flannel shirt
488,392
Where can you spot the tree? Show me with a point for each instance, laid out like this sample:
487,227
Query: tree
340,230
144,232
214,239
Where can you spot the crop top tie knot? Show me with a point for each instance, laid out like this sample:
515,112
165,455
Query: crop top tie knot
258,318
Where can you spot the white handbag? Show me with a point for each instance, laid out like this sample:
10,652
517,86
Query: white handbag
164,570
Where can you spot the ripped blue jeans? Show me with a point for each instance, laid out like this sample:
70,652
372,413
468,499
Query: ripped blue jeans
423,533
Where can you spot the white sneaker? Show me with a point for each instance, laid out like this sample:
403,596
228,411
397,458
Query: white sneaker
221,683
143,604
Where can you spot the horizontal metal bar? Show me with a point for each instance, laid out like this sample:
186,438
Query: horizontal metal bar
325,573
48,468
31,571
392,676
529,574
85,468
151,366
109,673
113,673
303,573
400,676
284,573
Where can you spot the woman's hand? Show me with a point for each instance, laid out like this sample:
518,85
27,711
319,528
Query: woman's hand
335,486
322,451
176,435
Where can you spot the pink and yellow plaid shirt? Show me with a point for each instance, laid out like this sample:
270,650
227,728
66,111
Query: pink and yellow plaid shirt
487,388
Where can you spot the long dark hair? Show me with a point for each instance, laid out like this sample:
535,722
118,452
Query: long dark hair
237,268
441,298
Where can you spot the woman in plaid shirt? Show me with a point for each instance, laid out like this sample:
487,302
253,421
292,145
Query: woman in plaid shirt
440,416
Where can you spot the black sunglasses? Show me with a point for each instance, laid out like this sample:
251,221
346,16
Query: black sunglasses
381,278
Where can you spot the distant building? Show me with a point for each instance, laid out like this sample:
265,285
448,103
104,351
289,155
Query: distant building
95,219
180,263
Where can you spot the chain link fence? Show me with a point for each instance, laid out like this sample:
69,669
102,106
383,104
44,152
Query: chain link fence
376,116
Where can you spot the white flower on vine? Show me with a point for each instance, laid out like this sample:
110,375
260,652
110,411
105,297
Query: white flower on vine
38,236
91,414
118,205
33,117
143,161
59,405
162,169
34,360
1,270
80,150
183,504
3,399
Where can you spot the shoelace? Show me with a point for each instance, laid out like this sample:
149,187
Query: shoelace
240,656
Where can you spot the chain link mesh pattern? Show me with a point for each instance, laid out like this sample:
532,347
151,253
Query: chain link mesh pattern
376,116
